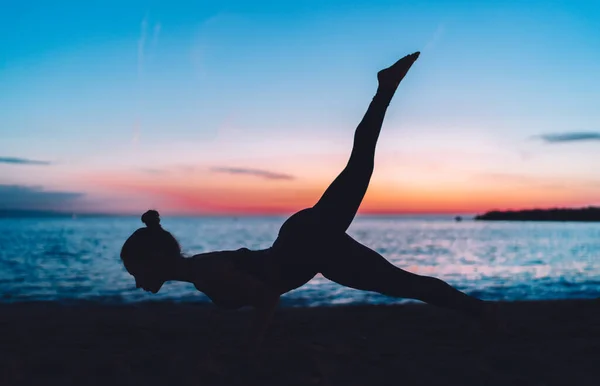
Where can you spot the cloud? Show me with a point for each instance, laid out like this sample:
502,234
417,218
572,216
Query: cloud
517,181
35,198
153,171
141,60
156,34
188,168
437,34
523,180
140,72
22,161
253,172
142,44
570,137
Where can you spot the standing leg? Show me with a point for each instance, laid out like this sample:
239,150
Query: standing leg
338,205
357,266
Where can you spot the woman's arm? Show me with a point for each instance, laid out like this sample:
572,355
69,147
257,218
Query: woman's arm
262,298
227,285
258,295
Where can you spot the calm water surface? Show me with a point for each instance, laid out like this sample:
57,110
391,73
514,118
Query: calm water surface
78,259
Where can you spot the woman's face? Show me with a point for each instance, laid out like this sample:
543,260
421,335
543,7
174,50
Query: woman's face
146,278
148,284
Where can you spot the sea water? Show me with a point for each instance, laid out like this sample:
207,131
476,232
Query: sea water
73,259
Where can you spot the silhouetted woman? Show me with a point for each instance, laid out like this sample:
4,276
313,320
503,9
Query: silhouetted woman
313,240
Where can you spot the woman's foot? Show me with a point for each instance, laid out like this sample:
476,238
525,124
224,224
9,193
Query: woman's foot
390,78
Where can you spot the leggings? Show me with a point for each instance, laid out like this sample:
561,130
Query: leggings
315,240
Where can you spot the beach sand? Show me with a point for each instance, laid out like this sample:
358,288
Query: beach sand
551,343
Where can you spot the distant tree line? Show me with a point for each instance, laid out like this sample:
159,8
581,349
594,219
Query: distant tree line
553,214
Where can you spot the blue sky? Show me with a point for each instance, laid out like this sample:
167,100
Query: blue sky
109,98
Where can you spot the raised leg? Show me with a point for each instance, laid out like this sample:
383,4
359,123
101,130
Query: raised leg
340,202
357,266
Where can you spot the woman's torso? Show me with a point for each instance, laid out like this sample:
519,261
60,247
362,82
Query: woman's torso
301,249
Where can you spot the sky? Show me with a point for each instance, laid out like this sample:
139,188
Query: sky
249,107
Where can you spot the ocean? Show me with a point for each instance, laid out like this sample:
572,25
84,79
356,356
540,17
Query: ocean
77,259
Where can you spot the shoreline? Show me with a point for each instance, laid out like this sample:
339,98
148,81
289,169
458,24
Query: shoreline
553,342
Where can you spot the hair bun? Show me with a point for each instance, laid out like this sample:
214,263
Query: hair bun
151,218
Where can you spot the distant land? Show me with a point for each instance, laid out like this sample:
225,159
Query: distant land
552,214
24,213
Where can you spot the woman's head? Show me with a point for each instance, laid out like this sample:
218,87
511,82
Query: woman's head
150,253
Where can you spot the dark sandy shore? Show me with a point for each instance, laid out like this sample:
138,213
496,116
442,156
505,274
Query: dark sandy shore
552,343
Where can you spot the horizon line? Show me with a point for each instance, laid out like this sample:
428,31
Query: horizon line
9,212
4,213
